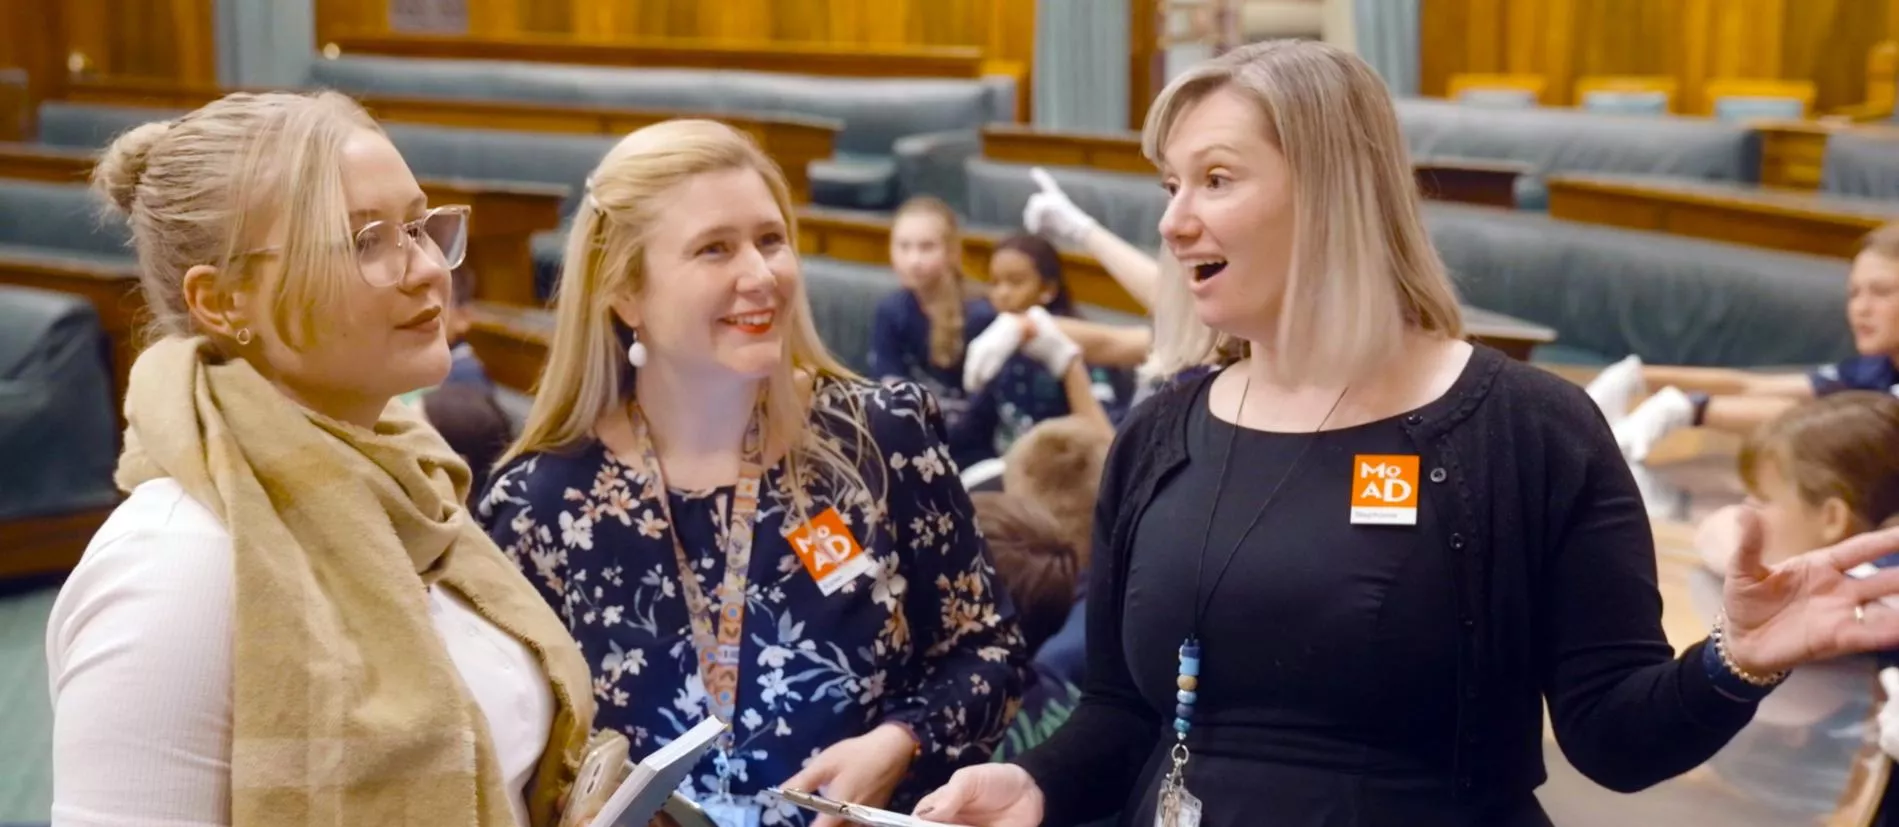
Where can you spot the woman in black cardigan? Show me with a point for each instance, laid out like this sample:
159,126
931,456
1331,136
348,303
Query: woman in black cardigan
1336,580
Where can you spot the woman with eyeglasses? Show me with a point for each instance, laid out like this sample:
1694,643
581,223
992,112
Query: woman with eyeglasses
291,618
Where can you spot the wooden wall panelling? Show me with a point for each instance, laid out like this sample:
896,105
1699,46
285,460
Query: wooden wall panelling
1830,41
803,58
1695,41
172,39
31,34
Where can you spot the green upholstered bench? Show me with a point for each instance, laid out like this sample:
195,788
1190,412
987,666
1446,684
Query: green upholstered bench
1553,140
1861,165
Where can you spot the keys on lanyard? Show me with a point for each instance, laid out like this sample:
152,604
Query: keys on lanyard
1177,807
722,807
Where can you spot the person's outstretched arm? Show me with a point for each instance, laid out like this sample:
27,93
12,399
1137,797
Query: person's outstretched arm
1051,213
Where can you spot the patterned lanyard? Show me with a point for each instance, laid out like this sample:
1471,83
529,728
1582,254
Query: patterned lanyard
1176,806
718,651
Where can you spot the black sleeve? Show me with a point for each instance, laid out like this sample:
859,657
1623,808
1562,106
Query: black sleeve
1627,712
1087,768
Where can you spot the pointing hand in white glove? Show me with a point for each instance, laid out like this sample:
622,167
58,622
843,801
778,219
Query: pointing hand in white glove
991,348
1051,214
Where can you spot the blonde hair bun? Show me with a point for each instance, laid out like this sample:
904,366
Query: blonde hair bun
122,165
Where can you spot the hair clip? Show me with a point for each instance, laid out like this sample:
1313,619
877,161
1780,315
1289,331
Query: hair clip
586,196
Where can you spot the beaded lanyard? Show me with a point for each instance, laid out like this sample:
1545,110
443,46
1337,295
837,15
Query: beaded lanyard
1177,807
716,639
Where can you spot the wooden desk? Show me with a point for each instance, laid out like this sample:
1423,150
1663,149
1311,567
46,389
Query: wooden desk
793,141
1469,180
511,342
1113,152
1775,219
1793,153
1462,180
505,215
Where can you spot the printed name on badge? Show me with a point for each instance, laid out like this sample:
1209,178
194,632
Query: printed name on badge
828,551
1384,489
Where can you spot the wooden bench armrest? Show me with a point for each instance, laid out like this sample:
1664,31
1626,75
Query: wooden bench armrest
1862,113
33,162
504,218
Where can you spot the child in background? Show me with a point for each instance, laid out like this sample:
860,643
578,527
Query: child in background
1057,466
920,332
1041,373
1038,570
1736,400
1819,473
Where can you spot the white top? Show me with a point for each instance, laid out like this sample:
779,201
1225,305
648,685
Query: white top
138,649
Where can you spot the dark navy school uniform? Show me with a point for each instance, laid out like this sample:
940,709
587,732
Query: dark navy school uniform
1860,373
900,349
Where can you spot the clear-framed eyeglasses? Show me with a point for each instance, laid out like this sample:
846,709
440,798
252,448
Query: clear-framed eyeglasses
384,250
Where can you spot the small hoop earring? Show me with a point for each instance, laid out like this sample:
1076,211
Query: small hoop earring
243,336
636,352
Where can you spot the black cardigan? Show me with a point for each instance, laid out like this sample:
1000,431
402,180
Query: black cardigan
1555,564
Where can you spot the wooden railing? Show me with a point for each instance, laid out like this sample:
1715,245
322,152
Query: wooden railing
1774,219
793,141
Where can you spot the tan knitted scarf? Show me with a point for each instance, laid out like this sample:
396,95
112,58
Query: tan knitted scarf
346,707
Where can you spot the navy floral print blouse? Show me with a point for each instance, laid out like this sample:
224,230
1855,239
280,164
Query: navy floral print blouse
925,638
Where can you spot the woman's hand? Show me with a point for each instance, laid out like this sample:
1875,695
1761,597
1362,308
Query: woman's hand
862,770
1808,608
986,795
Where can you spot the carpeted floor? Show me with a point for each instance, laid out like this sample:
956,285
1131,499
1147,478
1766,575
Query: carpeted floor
26,716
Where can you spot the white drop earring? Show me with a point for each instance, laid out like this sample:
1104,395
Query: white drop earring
636,352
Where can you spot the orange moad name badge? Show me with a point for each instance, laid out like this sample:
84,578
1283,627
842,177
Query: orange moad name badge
829,552
1385,489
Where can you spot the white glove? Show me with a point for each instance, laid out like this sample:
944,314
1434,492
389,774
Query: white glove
1616,387
1046,343
990,349
1889,712
1051,214
1669,410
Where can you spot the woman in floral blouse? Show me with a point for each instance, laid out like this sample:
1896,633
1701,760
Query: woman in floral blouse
689,419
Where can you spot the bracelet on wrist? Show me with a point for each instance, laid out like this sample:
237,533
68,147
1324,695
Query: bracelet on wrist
1718,638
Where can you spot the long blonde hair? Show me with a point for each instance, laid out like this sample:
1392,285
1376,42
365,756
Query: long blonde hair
203,188
1363,267
945,309
587,374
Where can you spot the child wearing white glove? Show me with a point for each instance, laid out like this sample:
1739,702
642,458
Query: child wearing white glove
1022,368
